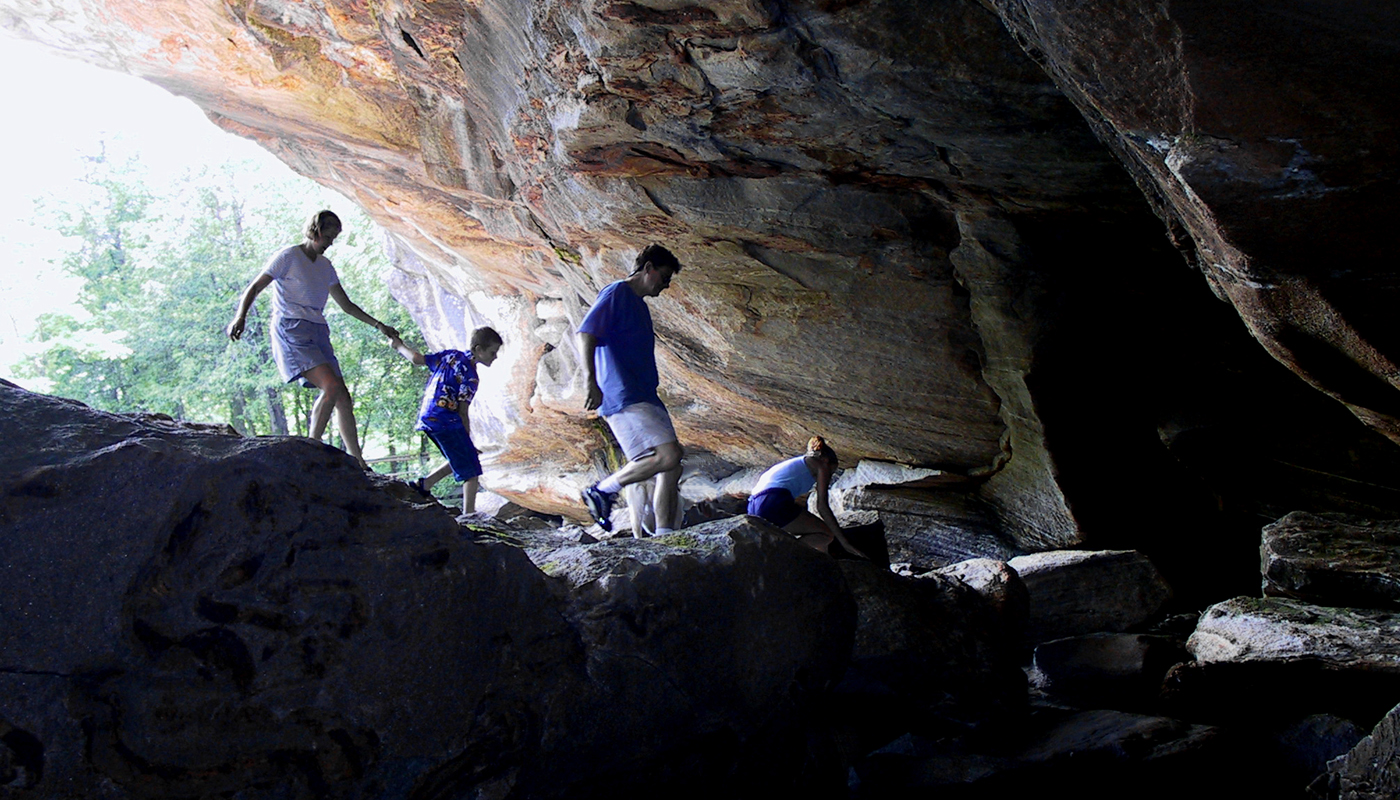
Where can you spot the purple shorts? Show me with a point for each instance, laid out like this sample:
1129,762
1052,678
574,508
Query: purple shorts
775,505
456,445
300,344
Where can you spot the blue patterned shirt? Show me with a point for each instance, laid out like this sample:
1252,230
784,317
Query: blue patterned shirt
451,386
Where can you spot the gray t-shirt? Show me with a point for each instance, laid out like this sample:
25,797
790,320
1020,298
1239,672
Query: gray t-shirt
300,287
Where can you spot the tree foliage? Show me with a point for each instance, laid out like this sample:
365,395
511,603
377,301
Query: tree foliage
162,270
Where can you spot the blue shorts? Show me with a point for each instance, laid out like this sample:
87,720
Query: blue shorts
775,505
300,344
456,445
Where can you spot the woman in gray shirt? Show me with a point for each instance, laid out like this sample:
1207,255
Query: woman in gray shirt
302,278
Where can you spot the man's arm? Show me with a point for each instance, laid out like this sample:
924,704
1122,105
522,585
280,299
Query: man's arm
588,343
240,317
348,305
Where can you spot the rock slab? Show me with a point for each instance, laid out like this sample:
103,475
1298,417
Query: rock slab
1278,630
1332,559
1074,592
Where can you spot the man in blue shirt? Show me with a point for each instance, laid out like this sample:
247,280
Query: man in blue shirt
619,352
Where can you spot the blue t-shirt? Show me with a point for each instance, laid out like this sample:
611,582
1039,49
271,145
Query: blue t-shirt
451,385
625,358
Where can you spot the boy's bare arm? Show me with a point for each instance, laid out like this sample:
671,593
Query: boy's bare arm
406,351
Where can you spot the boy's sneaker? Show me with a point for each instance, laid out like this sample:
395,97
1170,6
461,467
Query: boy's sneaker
600,505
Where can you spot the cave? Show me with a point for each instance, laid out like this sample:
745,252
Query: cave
1066,277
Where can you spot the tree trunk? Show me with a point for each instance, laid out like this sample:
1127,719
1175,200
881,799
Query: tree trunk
238,412
276,411
303,414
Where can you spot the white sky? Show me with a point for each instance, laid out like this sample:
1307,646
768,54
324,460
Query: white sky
57,110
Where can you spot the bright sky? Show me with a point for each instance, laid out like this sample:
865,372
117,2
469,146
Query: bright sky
61,110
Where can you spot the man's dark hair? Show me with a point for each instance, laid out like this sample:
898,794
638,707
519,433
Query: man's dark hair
658,256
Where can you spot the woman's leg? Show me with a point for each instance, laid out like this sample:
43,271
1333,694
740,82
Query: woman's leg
810,530
334,396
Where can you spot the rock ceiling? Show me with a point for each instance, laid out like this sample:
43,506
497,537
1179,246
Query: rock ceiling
941,233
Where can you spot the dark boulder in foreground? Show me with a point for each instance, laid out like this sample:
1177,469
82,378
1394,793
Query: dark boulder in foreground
931,647
191,613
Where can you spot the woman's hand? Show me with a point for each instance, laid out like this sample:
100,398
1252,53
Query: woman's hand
235,328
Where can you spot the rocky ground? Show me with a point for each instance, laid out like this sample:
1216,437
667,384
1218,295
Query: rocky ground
189,613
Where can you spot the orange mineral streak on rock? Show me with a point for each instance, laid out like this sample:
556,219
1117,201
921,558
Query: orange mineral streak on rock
174,47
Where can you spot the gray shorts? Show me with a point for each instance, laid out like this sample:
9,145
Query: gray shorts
300,344
641,428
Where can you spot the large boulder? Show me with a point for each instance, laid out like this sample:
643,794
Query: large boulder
1332,559
927,527
932,646
191,613
1279,659
1000,586
1073,592
1279,630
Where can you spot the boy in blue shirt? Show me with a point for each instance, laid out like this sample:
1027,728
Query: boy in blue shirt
443,414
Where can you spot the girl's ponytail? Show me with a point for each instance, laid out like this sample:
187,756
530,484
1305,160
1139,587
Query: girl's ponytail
817,446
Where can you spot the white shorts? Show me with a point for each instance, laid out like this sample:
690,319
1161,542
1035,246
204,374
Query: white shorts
641,428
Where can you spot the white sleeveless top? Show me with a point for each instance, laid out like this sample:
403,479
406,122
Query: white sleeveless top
792,475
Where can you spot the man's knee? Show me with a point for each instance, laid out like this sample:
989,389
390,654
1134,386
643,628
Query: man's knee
668,458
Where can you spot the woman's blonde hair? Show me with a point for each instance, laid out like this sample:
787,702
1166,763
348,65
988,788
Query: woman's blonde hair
817,446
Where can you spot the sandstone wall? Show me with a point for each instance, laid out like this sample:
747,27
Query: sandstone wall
905,225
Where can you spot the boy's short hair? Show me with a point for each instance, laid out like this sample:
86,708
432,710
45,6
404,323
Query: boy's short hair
320,221
658,256
485,337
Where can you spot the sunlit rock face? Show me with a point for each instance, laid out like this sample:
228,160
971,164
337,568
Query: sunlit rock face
897,229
